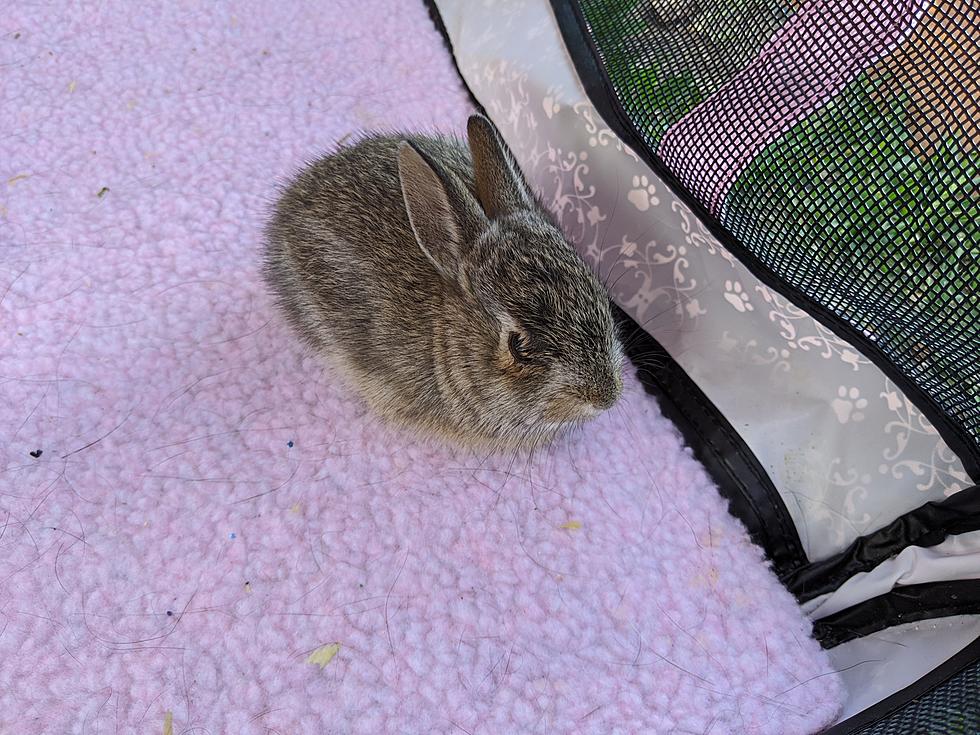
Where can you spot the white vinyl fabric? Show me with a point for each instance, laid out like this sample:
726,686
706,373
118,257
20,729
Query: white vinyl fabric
878,665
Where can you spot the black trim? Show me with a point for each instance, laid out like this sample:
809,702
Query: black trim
927,525
436,17
907,604
741,479
925,684
586,59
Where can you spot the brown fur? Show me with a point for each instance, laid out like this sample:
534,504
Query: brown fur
408,262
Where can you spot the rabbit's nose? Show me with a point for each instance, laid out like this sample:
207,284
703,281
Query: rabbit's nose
603,401
606,392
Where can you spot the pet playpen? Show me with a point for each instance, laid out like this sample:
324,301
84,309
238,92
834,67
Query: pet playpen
782,197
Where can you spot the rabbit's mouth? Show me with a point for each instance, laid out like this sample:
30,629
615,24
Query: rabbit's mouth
570,411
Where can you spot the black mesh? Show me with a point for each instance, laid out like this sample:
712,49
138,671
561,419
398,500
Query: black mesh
839,143
953,707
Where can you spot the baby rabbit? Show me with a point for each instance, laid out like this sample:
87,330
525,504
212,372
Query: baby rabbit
434,280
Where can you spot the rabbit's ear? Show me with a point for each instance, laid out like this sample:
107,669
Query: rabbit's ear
436,209
499,184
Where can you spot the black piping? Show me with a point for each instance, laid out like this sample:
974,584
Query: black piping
436,17
907,604
586,59
927,525
887,707
741,479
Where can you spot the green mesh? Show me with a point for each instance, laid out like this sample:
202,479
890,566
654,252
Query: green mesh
867,203
950,709
632,37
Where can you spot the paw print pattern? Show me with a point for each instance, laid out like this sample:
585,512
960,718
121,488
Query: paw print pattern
644,194
737,297
551,106
849,406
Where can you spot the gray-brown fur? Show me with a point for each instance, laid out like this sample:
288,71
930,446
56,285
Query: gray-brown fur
420,318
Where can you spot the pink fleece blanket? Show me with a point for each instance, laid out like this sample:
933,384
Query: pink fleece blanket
202,532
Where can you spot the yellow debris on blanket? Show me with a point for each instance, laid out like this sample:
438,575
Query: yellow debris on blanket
572,525
323,655
71,86
168,723
707,579
19,177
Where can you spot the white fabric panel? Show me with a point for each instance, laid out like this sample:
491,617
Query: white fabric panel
881,664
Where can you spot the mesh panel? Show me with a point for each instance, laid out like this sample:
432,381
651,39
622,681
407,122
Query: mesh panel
951,708
839,143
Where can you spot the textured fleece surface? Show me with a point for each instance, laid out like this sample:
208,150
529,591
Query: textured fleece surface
213,536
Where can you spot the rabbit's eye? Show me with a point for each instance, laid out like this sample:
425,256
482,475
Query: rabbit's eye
517,343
